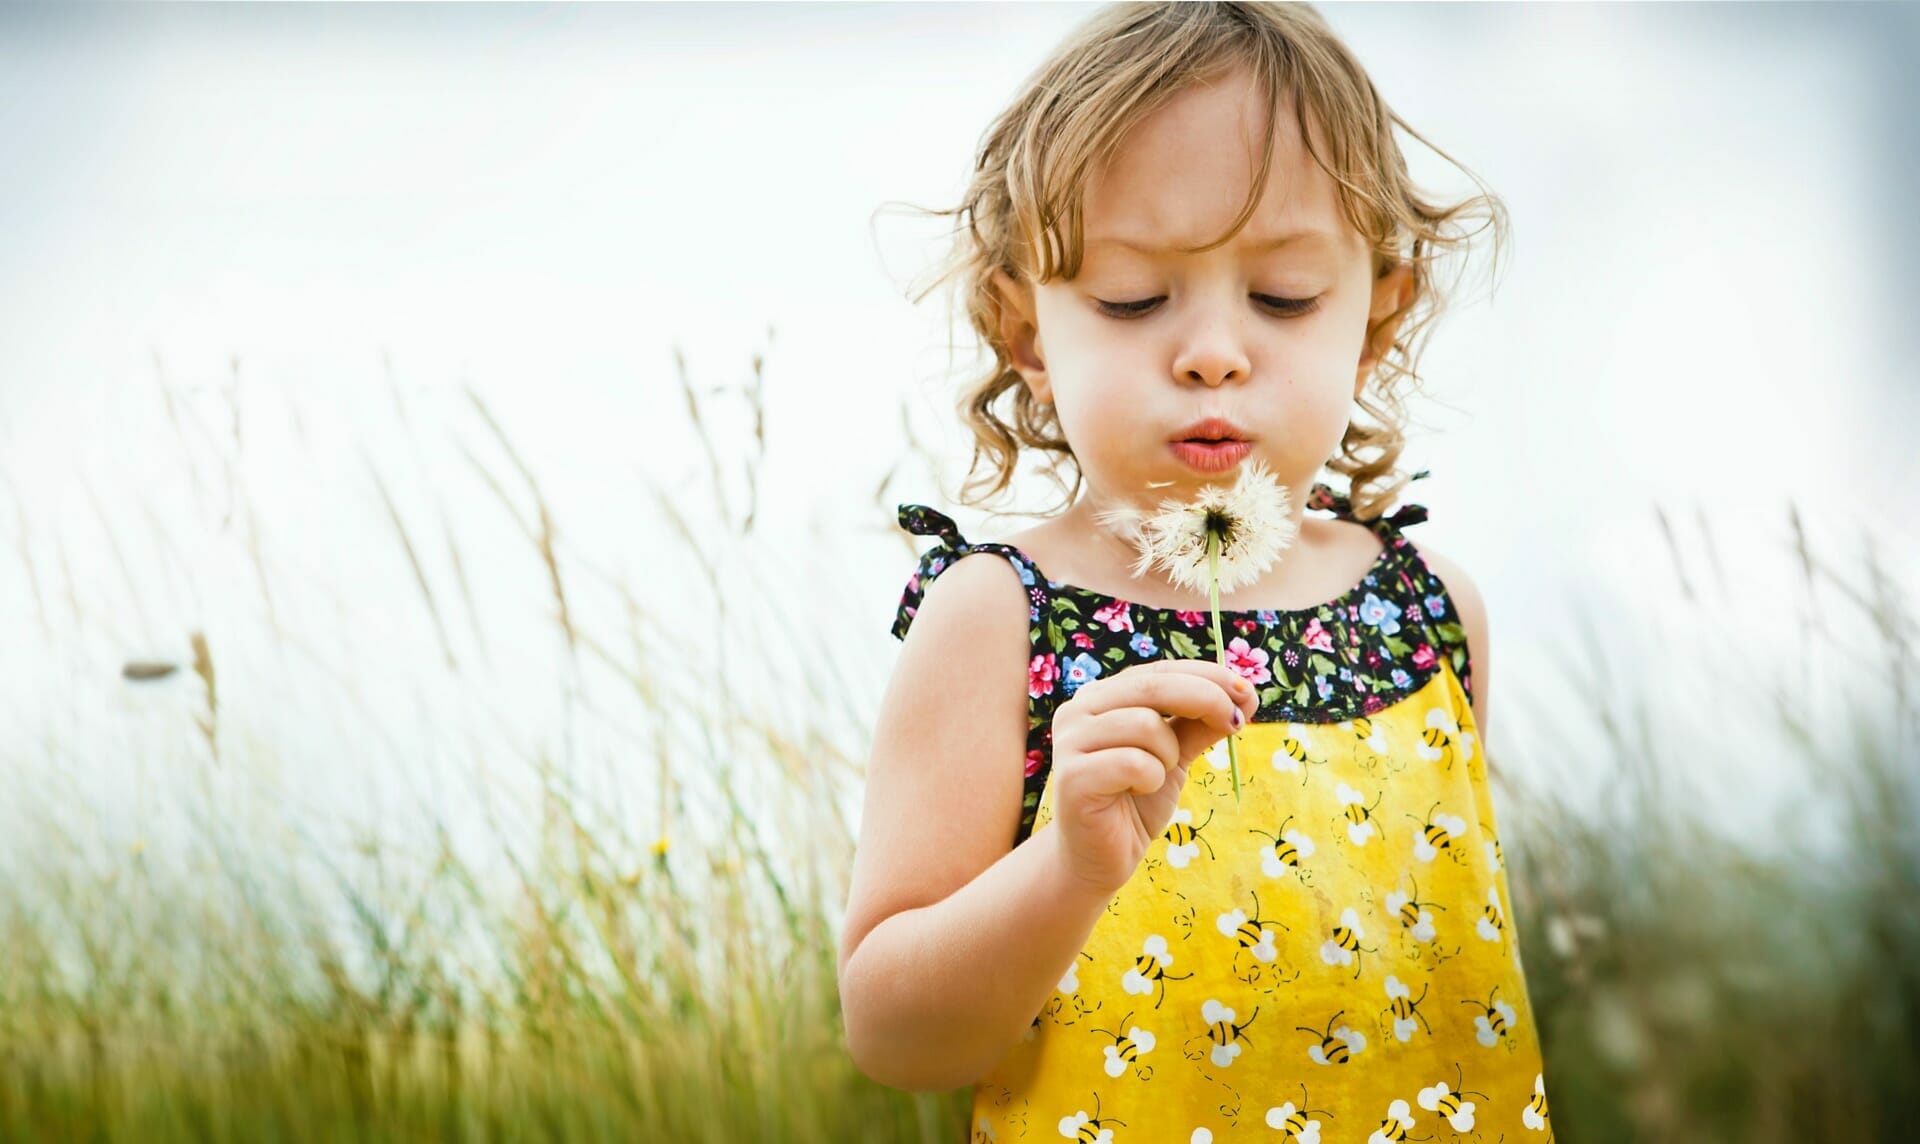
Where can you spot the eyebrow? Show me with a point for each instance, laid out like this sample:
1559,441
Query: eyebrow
1310,235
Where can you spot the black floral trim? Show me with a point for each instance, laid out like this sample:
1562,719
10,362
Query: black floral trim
1353,655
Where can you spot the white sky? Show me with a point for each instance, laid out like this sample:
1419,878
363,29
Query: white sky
1706,308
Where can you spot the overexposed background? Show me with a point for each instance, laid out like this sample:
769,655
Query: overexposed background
256,257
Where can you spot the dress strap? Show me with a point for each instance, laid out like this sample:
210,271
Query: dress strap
1324,497
923,520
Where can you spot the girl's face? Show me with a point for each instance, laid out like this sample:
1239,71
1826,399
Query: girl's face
1275,337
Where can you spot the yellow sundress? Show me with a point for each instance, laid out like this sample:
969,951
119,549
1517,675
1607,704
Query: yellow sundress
1329,959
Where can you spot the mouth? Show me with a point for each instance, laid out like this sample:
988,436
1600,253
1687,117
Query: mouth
1216,456
1212,431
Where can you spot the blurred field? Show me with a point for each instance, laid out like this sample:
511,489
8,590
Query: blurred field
622,971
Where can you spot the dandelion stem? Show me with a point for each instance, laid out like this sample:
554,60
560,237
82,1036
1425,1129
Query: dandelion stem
1220,645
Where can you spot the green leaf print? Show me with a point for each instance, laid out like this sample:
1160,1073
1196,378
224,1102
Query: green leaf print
1322,665
1115,655
1183,644
1397,646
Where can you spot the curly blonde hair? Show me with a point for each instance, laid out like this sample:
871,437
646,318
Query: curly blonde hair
1124,63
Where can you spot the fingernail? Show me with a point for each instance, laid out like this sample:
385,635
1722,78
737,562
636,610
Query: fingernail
1242,685
1238,718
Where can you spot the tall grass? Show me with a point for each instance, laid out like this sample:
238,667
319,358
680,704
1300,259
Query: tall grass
651,975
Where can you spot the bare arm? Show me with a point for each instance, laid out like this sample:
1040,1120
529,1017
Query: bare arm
953,941
1473,621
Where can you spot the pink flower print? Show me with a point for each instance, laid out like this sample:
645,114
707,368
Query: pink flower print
1041,674
1316,637
1118,616
1423,656
1191,619
1082,639
913,581
1249,661
1033,761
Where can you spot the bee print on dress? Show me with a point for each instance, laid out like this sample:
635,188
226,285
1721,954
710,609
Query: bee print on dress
1404,1009
1089,1129
1449,1102
1297,1125
1289,849
1393,1129
1223,1034
1493,921
1149,973
1252,938
1535,1114
1344,947
1416,916
1493,1021
1336,1044
1443,740
1291,756
1436,834
1183,838
1358,813
1127,1049
1370,734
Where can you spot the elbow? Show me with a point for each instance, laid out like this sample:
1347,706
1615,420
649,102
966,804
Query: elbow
890,1053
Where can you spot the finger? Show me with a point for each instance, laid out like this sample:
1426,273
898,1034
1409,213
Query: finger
1141,727
1121,770
1188,689
1171,687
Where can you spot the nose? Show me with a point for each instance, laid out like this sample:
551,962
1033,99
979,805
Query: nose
1214,352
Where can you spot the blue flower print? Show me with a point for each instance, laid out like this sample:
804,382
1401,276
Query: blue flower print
1380,614
1269,618
1143,645
1082,668
1346,673
1026,573
1321,685
1401,678
1436,607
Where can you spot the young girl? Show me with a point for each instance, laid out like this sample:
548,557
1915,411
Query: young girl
1193,225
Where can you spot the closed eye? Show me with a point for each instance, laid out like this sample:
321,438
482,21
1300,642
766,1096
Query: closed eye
1289,307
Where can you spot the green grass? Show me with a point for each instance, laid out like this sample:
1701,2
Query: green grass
241,982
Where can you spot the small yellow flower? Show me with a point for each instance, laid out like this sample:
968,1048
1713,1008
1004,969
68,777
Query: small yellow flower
660,847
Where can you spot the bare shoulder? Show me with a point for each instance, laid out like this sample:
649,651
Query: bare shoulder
1473,621
945,777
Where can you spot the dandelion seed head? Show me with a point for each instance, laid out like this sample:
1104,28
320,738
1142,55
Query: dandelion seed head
1250,517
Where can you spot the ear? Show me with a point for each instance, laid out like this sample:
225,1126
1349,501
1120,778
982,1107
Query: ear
1391,293
1020,330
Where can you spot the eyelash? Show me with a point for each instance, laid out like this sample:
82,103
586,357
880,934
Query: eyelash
1289,307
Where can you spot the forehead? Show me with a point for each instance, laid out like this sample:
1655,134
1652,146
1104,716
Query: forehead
1179,178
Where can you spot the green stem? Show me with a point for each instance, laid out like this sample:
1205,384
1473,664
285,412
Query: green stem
1219,644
